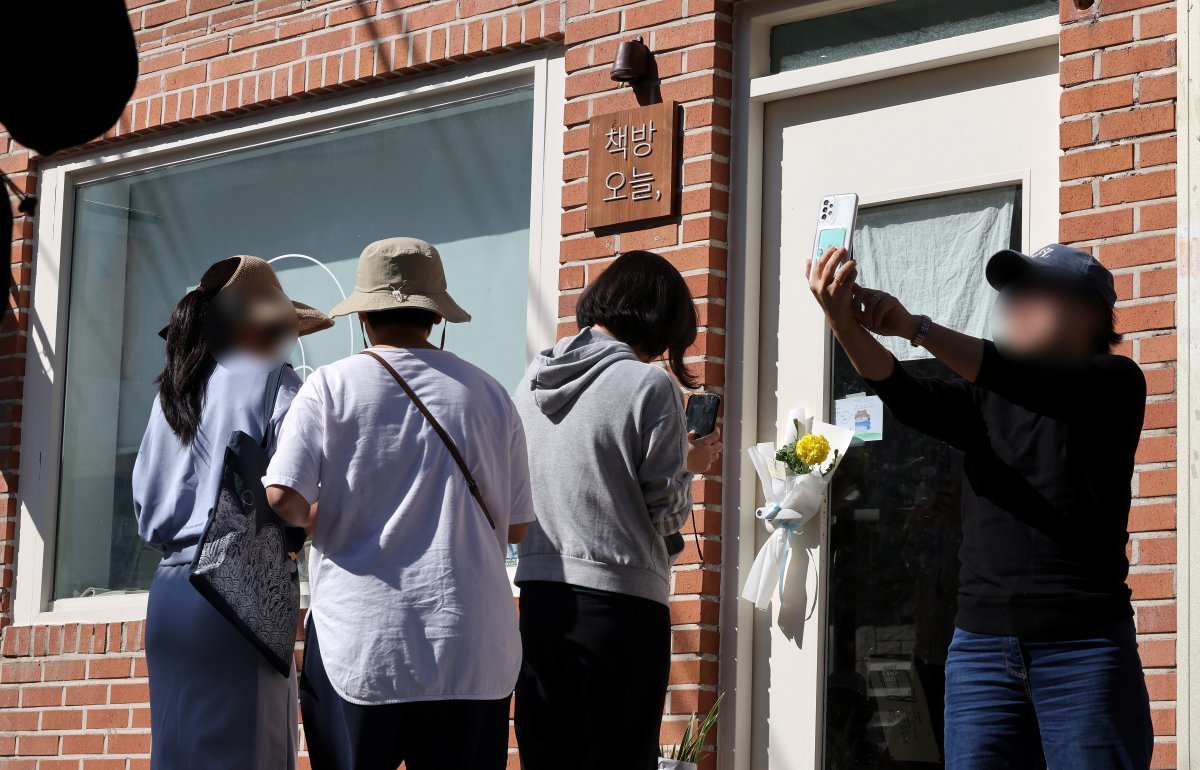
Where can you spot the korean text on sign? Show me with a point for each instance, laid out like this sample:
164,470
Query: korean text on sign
638,139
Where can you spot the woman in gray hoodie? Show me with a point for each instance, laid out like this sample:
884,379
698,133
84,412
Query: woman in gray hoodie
611,466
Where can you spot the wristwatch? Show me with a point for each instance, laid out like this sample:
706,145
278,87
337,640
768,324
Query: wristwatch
922,332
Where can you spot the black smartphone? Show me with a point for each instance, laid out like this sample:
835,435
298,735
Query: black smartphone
701,413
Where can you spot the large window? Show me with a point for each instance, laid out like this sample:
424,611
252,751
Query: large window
458,174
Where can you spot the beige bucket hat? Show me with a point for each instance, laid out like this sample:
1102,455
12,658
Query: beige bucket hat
254,278
401,272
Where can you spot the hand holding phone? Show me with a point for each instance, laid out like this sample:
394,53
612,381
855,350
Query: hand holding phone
701,413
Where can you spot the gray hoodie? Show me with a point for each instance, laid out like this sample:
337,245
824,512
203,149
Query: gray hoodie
607,459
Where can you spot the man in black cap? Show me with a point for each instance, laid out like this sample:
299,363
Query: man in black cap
1044,660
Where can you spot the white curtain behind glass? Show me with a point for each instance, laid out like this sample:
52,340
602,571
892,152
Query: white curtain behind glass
931,254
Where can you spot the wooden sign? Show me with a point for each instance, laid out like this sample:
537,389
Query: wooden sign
631,166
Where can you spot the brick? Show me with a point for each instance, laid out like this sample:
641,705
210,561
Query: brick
85,695
83,744
1153,315
20,672
1086,227
1160,216
1141,251
1158,550
1158,348
1075,198
695,641
591,27
1097,34
1105,160
1160,381
62,719
107,718
1157,283
1157,483
11,721
129,743
692,33
1076,133
1157,119
1095,98
252,37
162,14
1157,653
1077,70
1155,516
1156,618
61,670
651,14
1161,686
129,693
328,41
1137,58
40,697
109,668
1151,585
1157,88
1138,187
1157,23
1163,720
1110,7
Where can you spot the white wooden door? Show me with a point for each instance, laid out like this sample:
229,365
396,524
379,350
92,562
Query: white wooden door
920,141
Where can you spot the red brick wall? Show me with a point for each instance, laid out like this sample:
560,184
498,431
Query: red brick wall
1118,199
692,41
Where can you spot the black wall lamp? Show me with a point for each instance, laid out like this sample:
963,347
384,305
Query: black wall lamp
633,62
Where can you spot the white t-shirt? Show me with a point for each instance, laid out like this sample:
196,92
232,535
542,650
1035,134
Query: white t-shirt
410,596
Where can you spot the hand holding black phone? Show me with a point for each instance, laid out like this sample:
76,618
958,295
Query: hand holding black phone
701,413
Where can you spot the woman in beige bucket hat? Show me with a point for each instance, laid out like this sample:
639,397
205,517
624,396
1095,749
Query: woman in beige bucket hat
215,700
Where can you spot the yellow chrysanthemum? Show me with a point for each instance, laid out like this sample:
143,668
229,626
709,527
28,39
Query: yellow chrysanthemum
813,449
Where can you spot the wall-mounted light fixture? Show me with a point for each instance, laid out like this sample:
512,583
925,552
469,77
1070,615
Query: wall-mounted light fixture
633,62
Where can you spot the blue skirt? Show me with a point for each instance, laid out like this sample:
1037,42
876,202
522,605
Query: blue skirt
215,702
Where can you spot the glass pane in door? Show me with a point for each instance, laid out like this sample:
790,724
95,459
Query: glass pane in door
894,528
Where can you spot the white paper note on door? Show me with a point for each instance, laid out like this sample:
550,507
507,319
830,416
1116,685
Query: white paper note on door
861,414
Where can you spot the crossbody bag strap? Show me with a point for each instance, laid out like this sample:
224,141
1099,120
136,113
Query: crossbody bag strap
270,396
437,427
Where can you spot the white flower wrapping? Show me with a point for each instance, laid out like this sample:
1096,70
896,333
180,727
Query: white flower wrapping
791,501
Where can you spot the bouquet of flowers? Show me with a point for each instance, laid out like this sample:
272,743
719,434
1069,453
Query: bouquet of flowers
794,479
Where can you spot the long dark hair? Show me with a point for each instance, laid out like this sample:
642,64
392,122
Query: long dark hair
184,379
643,300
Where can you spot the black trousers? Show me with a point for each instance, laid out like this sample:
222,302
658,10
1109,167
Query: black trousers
594,679
426,735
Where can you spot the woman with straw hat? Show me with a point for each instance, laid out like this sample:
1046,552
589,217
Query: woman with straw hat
215,701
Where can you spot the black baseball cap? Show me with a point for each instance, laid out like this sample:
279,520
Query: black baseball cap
1055,265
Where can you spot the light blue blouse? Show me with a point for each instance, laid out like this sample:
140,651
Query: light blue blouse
174,486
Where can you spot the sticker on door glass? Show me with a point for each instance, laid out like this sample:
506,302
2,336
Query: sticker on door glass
861,414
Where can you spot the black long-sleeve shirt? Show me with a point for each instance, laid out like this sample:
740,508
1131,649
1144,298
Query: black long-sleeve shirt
1048,459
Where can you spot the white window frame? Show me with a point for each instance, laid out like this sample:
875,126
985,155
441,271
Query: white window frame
42,436
754,88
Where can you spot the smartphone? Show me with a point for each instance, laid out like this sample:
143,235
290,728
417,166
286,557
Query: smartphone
701,413
835,224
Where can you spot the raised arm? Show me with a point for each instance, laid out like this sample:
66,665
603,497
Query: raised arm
942,409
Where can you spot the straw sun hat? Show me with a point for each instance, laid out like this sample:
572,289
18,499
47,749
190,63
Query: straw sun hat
401,272
255,286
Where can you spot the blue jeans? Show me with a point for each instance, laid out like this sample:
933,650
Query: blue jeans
1078,700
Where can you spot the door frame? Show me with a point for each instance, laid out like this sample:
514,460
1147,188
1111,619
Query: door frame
754,89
